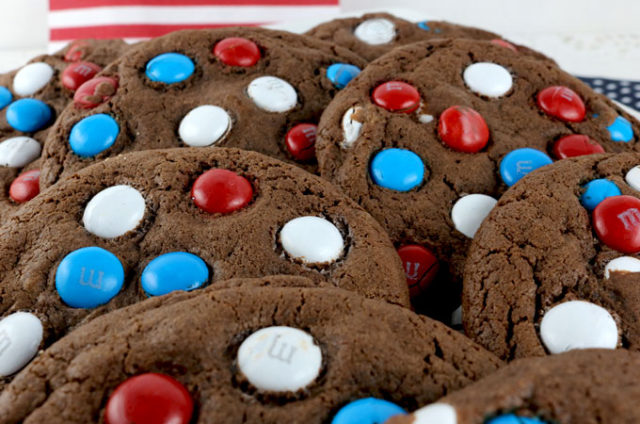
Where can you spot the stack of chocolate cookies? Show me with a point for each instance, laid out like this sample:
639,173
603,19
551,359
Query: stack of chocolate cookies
242,225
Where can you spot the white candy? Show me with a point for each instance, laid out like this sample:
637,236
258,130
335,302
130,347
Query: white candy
578,325
376,31
350,127
280,359
32,78
272,94
425,118
312,239
469,211
456,317
114,211
623,264
633,178
20,338
436,413
17,152
204,125
488,79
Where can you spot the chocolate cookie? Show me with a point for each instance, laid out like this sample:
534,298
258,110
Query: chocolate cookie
578,387
266,353
30,100
554,266
428,136
148,223
375,34
250,88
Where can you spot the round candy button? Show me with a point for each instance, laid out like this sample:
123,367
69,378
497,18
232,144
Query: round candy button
221,191
633,178
114,211
376,31
513,419
236,51
396,96
272,94
94,92
20,338
463,129
174,271
25,187
89,277
488,79
469,211
149,399
76,51
420,267
616,221
280,359
93,135
312,240
17,152
301,141
204,125
596,191
397,169
340,74
170,68
28,115
350,126
436,413
578,325
623,264
424,25
562,103
518,163
31,78
620,130
505,44
5,97
367,411
575,145
78,73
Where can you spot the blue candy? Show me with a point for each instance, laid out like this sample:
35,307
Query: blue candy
397,169
518,163
424,25
367,411
341,73
174,271
620,130
514,419
5,97
596,191
28,115
170,68
89,277
94,134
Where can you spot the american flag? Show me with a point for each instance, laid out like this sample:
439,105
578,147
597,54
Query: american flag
136,20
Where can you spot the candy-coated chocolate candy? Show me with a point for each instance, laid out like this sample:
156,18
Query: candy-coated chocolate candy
575,145
95,92
396,96
340,74
367,411
170,68
436,413
616,221
25,187
272,94
620,130
518,163
174,271
397,169
596,191
312,239
350,126
469,211
28,115
463,129
77,74
150,398
32,78
376,31
114,211
221,191
76,51
237,51
562,102
420,267
301,141
505,44
488,79
424,25
20,338
623,264
514,419
5,97
89,277
633,178
204,126
16,152
93,135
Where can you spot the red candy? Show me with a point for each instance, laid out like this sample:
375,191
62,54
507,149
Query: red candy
420,267
617,223
76,51
396,96
235,51
149,399
503,43
25,187
94,92
221,191
562,103
463,129
77,74
575,145
301,141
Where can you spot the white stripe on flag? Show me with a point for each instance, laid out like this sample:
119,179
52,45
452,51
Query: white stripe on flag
54,46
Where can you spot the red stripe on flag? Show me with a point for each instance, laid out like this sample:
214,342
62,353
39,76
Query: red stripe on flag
82,4
130,31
